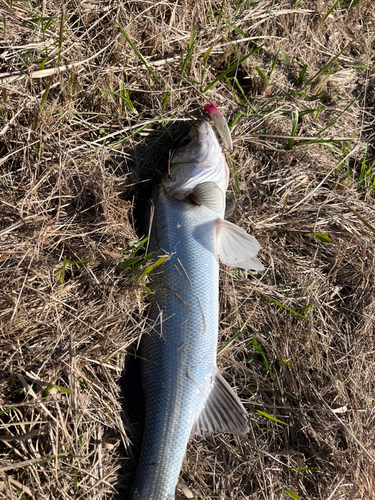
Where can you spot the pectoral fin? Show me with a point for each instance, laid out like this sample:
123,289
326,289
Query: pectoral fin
223,411
210,195
236,247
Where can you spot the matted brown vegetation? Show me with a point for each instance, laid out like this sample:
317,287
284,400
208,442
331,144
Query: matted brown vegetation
94,94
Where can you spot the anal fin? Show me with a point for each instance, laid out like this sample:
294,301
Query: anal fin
222,412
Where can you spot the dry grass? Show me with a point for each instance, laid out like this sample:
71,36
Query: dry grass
85,119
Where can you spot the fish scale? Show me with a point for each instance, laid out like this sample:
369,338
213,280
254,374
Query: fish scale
182,348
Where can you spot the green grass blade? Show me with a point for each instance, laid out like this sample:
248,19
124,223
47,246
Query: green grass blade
263,356
124,139
228,342
207,53
50,386
236,28
6,410
4,182
268,19
138,54
307,308
294,129
302,74
274,101
331,9
153,266
323,237
45,95
124,96
205,60
288,308
346,5
327,65
165,101
236,118
134,262
285,57
362,173
74,262
63,271
314,111
274,63
270,417
260,73
246,100
291,494
301,469
136,246
188,54
236,176
359,216
346,152
220,14
332,122
239,95
231,68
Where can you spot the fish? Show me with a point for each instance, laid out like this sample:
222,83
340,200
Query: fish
185,394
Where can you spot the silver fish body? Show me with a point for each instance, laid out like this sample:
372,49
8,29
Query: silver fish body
184,393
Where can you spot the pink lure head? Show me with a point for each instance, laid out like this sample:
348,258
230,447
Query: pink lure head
210,107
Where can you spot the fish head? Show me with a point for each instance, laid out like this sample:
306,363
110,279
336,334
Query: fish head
197,159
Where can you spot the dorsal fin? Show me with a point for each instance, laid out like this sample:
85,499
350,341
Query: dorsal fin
210,195
222,412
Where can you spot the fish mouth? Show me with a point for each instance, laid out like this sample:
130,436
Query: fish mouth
197,146
200,131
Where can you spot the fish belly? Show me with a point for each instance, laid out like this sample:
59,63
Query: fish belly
180,352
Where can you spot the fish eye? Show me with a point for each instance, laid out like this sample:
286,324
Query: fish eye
185,141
